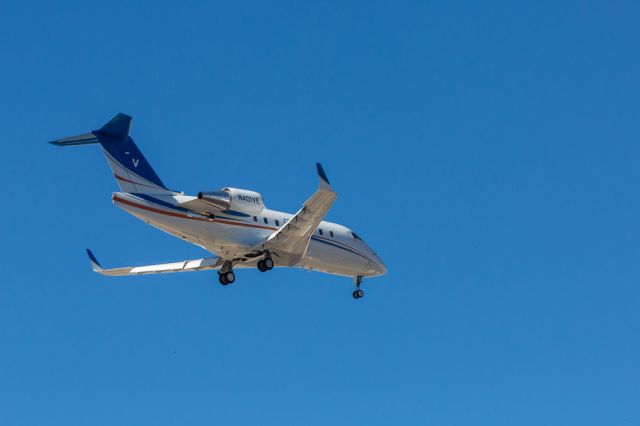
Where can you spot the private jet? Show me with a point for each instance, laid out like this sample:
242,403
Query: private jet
233,224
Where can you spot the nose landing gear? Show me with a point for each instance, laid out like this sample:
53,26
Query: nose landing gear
357,294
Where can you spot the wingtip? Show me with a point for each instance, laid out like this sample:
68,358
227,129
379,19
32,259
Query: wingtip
95,265
324,180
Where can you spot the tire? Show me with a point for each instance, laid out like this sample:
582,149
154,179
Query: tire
268,263
231,277
359,293
223,279
261,266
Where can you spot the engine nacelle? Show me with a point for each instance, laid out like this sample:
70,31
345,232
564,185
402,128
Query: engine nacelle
241,200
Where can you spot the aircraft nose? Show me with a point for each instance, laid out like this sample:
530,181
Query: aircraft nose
379,267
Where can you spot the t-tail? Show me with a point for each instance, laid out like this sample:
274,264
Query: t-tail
132,171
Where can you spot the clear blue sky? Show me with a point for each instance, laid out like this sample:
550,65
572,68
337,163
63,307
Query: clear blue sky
488,151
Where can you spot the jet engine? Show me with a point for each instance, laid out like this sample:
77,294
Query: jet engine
240,200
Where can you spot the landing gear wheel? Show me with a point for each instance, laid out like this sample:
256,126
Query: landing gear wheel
268,263
265,264
223,279
227,278
357,294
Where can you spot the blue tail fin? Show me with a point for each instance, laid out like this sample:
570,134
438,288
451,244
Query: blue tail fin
131,170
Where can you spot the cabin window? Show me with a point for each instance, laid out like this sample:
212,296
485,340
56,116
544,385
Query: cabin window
255,218
277,222
331,233
319,231
265,220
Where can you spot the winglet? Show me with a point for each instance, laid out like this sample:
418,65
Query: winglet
322,177
95,265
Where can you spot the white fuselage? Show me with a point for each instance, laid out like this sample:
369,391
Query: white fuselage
333,248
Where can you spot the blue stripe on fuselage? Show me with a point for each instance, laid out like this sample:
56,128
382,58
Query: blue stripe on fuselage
182,209
154,200
235,213
159,202
349,249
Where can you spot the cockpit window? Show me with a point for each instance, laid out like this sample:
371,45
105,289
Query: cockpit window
355,236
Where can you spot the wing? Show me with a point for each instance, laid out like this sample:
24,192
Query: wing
161,268
289,243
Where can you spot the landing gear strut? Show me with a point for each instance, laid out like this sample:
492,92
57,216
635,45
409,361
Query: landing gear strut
226,275
265,264
357,294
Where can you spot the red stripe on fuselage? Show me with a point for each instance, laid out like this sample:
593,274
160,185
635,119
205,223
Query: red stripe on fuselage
226,222
183,216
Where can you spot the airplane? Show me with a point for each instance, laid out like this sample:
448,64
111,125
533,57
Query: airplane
231,223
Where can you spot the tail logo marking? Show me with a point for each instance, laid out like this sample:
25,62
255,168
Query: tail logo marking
135,162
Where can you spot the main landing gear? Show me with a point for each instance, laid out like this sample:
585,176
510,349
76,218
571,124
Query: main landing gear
265,264
226,278
226,275
357,294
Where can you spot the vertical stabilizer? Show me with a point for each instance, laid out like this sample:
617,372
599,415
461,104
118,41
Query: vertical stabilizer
131,169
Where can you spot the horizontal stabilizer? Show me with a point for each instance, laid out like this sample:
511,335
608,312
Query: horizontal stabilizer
83,139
